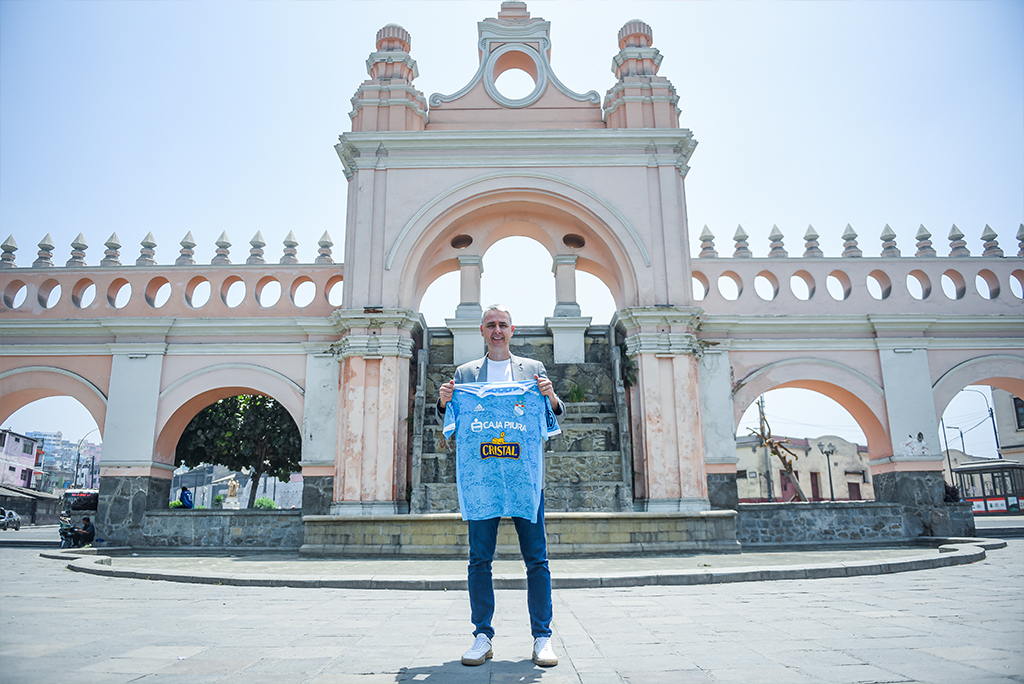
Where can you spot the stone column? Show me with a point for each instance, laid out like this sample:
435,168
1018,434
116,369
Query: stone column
373,434
912,475
668,441
471,267
467,342
319,430
564,269
717,424
130,481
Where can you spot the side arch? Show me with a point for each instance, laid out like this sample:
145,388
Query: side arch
1004,371
851,389
21,386
184,398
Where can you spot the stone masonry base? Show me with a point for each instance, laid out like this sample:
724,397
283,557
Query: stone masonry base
569,534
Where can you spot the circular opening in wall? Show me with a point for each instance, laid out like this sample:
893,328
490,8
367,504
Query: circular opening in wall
232,291
878,284
83,294
49,294
574,241
838,285
801,284
158,291
515,84
987,284
918,284
14,294
461,241
953,285
119,293
334,291
268,291
302,291
197,292
1017,284
700,286
766,285
730,285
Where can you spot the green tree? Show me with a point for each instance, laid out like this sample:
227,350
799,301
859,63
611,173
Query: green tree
249,431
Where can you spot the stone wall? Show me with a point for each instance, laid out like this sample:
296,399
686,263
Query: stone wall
568,534
722,492
124,502
276,530
845,521
317,494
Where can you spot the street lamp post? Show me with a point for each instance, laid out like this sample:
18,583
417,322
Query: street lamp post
78,455
827,451
991,416
963,448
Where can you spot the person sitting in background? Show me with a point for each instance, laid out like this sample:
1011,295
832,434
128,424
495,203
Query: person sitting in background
85,534
185,498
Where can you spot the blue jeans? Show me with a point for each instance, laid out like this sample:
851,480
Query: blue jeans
483,538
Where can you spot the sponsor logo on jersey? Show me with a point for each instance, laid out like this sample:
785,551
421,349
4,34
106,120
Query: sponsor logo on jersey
499,448
476,425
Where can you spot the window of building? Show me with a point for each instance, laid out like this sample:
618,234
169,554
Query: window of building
3,438
1018,412
854,490
741,474
815,486
26,447
11,468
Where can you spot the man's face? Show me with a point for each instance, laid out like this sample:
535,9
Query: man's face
497,330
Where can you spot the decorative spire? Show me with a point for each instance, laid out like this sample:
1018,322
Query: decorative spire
640,98
388,101
223,250
1020,241
9,247
924,243
78,247
707,245
256,253
44,258
850,248
992,248
187,252
112,255
776,249
147,255
742,250
957,244
290,243
888,238
325,249
811,248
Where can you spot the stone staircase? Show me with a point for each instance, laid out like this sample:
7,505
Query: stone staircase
588,467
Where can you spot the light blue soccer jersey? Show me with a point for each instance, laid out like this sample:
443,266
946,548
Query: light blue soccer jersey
500,429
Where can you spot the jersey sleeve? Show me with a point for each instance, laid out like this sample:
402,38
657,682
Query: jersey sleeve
549,423
450,417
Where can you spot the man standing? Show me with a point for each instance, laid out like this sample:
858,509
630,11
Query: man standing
499,365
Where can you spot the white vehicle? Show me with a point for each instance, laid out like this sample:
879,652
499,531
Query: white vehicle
9,519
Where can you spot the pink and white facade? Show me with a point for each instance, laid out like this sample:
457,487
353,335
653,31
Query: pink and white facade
432,184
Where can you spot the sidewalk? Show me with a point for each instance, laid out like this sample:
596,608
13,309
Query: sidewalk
952,624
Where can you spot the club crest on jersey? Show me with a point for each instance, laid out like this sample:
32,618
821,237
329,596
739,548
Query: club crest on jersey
520,407
499,448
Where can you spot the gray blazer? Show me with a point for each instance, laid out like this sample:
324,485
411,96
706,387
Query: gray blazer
476,371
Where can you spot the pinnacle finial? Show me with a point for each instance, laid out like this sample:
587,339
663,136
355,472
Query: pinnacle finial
957,244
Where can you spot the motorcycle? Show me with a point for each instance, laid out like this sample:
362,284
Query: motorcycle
67,534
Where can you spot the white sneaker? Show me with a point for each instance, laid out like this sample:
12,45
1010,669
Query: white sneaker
543,654
479,652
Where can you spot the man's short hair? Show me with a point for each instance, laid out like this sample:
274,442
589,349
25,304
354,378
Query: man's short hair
86,519
496,307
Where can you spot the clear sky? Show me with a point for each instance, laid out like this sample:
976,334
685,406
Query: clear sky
169,117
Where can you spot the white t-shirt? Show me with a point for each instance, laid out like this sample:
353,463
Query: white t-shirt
499,371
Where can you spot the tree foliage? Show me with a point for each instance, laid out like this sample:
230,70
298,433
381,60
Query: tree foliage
249,431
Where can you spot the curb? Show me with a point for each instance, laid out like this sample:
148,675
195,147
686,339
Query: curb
955,552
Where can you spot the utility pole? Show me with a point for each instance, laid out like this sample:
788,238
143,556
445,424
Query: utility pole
767,456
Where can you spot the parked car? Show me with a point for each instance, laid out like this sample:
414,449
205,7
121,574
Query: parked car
9,519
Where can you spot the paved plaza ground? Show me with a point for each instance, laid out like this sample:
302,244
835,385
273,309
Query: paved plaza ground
953,624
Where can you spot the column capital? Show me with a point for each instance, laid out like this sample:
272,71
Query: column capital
375,320
471,260
563,260
660,319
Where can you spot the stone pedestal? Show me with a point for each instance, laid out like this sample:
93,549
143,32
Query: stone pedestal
467,342
124,501
317,494
567,334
